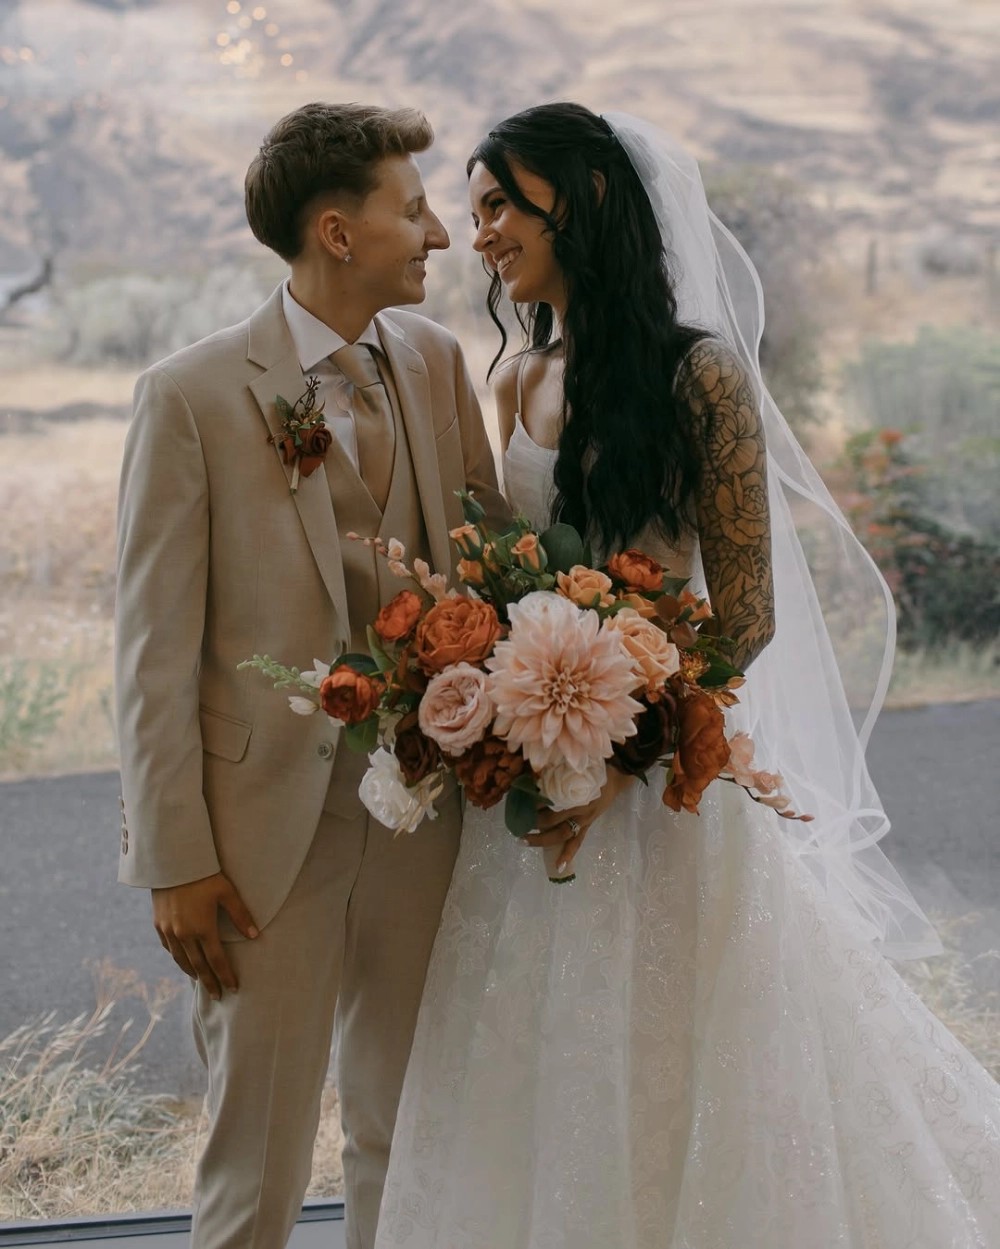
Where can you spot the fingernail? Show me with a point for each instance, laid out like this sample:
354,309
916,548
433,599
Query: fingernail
253,932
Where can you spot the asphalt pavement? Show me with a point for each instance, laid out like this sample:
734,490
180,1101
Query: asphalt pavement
61,910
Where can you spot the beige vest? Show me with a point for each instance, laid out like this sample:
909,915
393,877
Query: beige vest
368,581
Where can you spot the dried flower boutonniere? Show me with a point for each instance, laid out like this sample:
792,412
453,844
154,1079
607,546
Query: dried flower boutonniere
304,439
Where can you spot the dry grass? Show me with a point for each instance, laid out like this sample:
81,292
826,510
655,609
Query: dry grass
77,1139
951,988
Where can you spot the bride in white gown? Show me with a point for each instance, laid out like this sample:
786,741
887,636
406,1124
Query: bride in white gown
699,1044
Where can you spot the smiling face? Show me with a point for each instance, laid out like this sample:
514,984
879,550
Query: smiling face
389,236
515,243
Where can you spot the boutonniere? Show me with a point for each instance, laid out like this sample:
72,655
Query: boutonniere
304,439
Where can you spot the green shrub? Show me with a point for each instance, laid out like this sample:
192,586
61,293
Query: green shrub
946,584
30,707
943,390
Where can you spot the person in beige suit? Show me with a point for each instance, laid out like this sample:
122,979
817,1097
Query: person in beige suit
294,911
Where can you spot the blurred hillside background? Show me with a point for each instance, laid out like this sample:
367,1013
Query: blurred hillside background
853,147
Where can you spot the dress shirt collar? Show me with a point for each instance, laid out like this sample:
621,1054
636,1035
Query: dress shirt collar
314,340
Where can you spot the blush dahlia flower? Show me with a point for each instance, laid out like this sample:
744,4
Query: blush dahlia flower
561,684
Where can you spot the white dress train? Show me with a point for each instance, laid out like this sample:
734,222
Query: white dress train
685,1049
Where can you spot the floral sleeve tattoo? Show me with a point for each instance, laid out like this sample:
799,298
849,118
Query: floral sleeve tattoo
731,504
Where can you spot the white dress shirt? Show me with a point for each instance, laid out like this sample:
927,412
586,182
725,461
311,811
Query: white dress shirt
314,343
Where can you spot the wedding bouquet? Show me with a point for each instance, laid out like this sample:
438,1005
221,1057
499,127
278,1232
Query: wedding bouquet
529,685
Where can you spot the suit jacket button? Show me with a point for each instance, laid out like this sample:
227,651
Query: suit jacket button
325,750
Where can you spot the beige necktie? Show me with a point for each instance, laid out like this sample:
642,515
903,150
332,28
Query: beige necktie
373,424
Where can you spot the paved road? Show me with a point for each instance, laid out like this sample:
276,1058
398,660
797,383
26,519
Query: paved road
60,909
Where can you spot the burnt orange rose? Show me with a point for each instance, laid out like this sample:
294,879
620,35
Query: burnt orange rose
654,730
416,753
315,444
487,770
398,618
636,570
702,752
456,630
348,695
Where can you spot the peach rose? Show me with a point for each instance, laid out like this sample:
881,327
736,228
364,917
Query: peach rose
456,630
639,603
349,696
470,572
585,586
655,656
636,570
527,550
456,709
702,752
398,618
466,538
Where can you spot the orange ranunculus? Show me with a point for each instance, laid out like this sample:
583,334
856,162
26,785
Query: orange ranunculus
350,696
528,552
586,587
456,630
702,752
487,770
398,618
470,572
636,570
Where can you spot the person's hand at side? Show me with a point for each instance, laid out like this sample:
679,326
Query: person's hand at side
186,919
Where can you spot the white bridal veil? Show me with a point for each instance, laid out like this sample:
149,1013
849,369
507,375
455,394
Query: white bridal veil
812,697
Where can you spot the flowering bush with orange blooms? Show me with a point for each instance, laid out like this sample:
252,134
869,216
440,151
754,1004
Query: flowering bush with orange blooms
531,683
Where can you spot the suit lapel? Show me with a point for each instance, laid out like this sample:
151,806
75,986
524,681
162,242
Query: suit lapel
413,388
271,346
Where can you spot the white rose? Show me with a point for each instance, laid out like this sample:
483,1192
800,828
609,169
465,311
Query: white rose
386,795
564,787
302,706
542,605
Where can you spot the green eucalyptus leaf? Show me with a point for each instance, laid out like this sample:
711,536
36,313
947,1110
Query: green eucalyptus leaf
520,812
563,546
383,660
358,661
362,737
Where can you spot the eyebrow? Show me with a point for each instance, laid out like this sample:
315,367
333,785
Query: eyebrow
491,190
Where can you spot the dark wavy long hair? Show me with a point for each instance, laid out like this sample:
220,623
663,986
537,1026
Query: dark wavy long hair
626,458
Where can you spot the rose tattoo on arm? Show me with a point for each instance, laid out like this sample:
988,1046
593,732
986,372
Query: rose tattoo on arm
731,502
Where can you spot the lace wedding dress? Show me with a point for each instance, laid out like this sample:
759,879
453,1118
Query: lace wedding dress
687,1048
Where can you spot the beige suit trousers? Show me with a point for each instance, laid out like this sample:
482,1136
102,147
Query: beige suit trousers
355,935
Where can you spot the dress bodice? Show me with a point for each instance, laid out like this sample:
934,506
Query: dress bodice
528,484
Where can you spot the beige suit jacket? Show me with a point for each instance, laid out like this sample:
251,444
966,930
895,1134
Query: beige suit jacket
218,561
